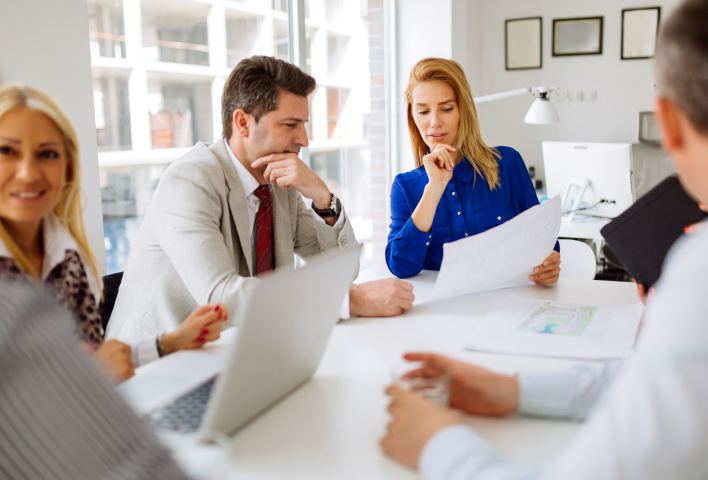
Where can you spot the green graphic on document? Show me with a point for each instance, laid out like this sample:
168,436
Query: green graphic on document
558,320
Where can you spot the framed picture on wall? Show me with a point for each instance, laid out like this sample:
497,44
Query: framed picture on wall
640,27
522,42
577,36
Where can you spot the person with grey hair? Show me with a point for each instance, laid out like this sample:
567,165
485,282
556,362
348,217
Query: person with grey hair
647,417
60,417
226,213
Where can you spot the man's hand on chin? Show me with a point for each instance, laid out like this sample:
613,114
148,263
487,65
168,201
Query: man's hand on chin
287,170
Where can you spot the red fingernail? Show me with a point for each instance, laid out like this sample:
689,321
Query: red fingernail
204,332
686,229
201,339
216,309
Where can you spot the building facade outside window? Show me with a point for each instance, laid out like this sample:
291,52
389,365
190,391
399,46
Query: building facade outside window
159,67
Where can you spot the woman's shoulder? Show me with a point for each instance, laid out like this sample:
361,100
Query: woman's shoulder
508,153
58,243
509,160
414,175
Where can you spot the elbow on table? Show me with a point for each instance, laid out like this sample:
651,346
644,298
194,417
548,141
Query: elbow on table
395,267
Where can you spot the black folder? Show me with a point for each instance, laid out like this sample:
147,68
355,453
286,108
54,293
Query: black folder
643,234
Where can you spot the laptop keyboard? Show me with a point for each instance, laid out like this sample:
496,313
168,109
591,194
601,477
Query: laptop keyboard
186,413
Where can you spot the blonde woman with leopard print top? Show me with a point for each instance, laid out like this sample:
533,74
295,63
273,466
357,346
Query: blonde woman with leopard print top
42,237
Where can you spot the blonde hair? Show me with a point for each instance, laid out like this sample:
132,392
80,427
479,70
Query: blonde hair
68,209
484,159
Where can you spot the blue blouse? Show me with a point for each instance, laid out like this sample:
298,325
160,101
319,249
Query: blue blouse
467,207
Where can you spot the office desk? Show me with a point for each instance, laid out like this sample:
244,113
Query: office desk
585,228
329,428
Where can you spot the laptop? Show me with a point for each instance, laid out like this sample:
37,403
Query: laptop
284,328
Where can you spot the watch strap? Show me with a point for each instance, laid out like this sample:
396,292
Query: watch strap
160,346
334,209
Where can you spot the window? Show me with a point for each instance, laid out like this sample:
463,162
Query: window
159,67
110,99
106,35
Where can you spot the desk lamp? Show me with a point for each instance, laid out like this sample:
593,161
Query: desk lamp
541,111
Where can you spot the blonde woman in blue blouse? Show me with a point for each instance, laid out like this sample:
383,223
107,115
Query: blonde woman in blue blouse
461,187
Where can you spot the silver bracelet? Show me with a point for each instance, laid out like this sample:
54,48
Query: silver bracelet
160,346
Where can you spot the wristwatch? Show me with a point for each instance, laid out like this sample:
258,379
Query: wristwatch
334,209
160,346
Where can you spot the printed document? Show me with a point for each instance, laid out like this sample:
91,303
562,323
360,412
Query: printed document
551,329
502,257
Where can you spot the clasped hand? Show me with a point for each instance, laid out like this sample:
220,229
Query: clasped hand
473,390
203,325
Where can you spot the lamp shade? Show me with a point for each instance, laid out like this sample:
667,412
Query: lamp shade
541,112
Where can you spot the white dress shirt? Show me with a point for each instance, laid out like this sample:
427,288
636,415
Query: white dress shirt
249,184
650,419
57,240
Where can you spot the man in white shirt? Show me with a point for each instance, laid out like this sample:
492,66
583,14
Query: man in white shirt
646,418
228,212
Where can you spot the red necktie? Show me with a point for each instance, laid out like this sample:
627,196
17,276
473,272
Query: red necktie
264,231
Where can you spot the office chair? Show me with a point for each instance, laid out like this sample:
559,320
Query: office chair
577,260
111,283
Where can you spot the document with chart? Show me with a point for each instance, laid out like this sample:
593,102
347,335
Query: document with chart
550,329
501,257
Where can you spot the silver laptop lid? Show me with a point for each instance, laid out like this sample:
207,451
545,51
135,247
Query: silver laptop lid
281,338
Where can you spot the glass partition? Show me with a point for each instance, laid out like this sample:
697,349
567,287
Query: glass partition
159,67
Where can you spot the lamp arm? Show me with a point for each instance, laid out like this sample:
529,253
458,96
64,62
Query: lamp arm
560,94
497,96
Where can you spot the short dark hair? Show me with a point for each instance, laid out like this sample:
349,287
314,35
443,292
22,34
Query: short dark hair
681,61
254,87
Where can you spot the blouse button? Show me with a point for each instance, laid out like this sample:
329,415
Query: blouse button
466,235
430,236
459,213
498,218
427,243
453,193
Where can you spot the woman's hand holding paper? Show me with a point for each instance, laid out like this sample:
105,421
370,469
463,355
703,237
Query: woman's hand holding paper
548,271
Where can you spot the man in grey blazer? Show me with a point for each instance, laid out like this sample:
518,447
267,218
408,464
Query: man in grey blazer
227,212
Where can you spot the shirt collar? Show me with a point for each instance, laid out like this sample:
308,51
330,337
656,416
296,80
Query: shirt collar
464,171
57,240
4,252
248,181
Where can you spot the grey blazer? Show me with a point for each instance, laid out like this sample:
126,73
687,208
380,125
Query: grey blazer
194,246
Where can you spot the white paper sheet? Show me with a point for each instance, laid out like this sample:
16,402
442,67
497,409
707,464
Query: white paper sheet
551,329
504,256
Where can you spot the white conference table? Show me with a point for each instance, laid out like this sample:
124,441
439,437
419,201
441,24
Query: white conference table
329,428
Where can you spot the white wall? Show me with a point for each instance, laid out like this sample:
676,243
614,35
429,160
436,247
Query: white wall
45,44
472,32
624,87
422,32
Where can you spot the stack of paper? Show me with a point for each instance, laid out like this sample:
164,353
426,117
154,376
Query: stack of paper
504,256
550,329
